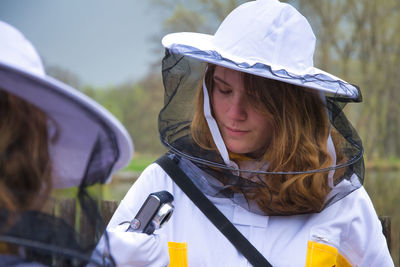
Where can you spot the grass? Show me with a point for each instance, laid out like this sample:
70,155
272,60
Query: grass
390,164
140,162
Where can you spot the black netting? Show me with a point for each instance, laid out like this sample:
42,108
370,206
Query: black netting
41,237
182,76
48,236
332,85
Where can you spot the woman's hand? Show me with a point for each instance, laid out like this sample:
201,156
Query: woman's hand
135,249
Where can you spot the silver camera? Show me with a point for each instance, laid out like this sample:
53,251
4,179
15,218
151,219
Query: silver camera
155,211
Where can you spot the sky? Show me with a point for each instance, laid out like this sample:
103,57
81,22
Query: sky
103,42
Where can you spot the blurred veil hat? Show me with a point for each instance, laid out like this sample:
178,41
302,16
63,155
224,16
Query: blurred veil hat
265,38
90,142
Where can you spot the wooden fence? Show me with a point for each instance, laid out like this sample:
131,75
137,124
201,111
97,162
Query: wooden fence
67,209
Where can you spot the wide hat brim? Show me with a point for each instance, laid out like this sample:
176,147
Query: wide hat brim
202,47
86,132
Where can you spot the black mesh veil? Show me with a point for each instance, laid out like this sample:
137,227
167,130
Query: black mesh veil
182,76
64,233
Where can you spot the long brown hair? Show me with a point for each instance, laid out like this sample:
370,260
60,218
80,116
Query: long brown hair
299,143
25,169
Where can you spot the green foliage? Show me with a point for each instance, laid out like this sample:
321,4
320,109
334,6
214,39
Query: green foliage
359,41
139,163
195,15
136,106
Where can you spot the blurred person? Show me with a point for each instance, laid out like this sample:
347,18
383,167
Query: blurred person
261,133
51,136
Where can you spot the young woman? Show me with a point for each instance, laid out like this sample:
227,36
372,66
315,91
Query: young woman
51,136
260,131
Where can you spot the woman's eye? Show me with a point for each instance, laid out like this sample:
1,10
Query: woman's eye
225,91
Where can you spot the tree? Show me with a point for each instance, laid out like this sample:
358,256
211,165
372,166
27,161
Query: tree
64,75
136,105
195,15
359,41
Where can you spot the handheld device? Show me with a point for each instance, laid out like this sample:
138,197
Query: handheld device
155,211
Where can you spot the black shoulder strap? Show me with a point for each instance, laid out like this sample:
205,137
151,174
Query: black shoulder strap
212,212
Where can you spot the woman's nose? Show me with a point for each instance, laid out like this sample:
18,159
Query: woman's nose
238,108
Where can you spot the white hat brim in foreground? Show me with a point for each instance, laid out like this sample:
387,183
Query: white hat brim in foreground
81,125
201,47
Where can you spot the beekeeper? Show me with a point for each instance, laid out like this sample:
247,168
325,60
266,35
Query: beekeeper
261,133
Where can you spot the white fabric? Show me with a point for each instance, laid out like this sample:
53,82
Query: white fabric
135,249
216,134
77,117
17,51
332,153
263,38
265,32
351,225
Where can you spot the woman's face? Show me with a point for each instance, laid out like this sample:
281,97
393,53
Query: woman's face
243,127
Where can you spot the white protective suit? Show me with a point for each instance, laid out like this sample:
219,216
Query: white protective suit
347,232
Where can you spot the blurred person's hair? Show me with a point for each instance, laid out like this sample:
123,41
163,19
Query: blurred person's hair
25,165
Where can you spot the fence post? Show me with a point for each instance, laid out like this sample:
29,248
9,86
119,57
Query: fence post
108,208
67,211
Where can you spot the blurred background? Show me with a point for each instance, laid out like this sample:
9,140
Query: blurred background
111,51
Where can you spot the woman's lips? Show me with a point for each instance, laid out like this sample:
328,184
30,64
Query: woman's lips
235,132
